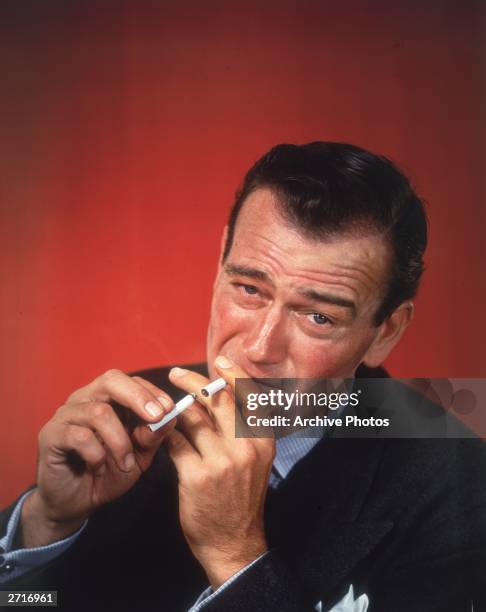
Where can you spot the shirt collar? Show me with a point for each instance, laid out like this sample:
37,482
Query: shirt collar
294,447
290,450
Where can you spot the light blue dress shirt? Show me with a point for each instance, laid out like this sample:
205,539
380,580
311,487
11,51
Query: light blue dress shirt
14,563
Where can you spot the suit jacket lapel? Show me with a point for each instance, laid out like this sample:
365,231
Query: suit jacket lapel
314,517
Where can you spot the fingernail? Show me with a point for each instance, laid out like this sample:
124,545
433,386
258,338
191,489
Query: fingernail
223,362
129,462
153,409
165,401
176,372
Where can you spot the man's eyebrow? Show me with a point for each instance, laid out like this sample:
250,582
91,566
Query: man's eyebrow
234,270
328,298
310,294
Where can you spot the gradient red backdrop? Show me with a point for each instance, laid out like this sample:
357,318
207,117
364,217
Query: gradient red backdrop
127,126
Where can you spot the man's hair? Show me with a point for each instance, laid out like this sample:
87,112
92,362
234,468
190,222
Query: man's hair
326,189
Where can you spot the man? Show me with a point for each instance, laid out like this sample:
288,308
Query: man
319,263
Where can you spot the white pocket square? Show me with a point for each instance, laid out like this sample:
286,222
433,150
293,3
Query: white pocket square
348,603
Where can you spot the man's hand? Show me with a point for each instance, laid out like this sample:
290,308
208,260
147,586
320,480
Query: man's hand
88,457
222,479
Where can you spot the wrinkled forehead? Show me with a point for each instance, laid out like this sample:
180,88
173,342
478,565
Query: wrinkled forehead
266,204
265,238
262,215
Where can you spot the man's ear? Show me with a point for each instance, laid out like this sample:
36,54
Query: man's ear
224,237
389,333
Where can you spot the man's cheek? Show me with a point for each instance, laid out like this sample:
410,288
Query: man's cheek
225,322
319,363
325,360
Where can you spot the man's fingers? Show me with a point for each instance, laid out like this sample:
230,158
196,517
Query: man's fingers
189,381
221,405
198,427
148,441
79,439
145,439
163,397
117,386
101,418
193,383
84,442
231,372
182,453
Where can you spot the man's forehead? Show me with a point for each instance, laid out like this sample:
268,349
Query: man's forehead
262,210
265,240
261,221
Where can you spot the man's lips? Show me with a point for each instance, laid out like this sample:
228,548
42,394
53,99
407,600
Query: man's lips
256,374
260,375
265,379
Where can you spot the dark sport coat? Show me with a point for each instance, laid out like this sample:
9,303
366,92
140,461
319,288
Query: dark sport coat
403,520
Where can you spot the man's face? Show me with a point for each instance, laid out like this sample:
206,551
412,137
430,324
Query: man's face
285,306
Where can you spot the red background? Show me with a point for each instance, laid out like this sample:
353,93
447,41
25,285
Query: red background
127,126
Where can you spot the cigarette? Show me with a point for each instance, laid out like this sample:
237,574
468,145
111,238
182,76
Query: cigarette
188,400
213,387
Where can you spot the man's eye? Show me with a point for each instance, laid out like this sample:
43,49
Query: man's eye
250,289
318,318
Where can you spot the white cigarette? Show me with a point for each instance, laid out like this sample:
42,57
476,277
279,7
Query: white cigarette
185,402
188,400
213,387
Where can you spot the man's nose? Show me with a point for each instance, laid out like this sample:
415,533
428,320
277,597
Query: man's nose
266,342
